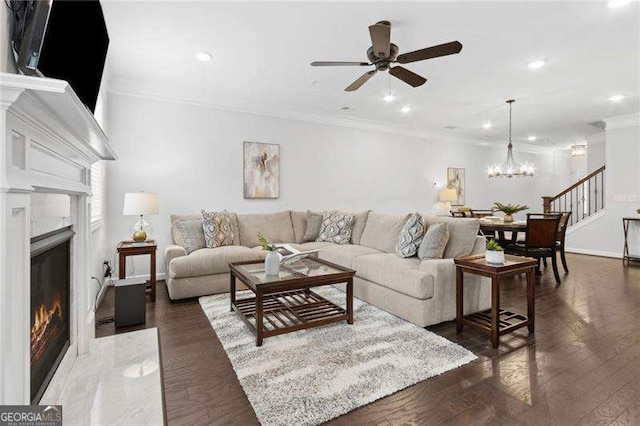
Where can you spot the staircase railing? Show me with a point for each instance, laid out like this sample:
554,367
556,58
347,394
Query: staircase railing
583,199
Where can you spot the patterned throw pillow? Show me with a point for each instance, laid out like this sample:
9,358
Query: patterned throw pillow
219,228
434,242
336,228
410,236
189,234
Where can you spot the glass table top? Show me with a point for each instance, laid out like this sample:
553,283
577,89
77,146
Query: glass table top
303,268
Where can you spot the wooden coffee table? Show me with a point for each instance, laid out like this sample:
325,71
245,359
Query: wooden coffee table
285,303
495,321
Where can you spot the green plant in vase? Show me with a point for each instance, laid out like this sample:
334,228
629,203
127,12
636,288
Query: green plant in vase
509,210
495,253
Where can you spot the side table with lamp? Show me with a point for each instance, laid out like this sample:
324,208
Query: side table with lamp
139,204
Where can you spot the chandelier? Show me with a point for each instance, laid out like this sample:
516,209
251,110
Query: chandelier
510,168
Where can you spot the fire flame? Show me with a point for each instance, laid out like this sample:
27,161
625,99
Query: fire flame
43,317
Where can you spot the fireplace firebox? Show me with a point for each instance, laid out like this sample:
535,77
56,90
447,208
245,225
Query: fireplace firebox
50,300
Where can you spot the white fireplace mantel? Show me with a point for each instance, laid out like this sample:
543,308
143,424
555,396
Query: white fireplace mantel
48,141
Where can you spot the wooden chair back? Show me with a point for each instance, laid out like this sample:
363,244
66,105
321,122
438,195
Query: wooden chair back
542,230
562,227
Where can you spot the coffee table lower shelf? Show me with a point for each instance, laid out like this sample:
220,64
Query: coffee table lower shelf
289,311
507,321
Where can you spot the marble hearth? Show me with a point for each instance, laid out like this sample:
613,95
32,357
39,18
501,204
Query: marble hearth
48,141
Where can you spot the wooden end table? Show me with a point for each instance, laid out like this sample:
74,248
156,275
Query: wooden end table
495,321
285,303
131,248
626,256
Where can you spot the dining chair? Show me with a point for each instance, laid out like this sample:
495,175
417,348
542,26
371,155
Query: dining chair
540,240
562,232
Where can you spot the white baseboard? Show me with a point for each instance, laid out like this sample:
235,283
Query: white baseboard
593,252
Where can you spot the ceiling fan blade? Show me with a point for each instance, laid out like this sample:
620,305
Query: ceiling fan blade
409,77
381,39
338,64
431,52
359,82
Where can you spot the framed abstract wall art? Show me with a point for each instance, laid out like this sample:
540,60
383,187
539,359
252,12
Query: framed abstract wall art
455,180
261,170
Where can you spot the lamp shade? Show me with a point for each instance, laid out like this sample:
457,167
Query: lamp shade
137,203
448,195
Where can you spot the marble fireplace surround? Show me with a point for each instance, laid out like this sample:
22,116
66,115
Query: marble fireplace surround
48,141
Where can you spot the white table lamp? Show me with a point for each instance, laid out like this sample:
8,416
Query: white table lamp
140,203
446,196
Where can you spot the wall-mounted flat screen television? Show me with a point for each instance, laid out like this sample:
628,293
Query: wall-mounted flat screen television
63,39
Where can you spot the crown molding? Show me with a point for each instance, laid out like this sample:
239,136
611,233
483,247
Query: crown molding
115,88
621,121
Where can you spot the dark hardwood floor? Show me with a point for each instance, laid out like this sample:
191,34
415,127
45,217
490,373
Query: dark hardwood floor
582,365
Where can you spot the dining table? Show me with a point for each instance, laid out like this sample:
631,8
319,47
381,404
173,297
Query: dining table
497,229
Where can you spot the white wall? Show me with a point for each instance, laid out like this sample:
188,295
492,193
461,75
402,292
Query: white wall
596,155
622,188
192,157
6,56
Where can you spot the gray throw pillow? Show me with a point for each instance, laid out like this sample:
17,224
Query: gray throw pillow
219,228
189,234
434,241
336,228
314,223
410,236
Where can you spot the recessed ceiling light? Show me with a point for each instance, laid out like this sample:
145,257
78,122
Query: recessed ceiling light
203,56
616,98
618,3
405,109
537,64
487,125
389,97
532,138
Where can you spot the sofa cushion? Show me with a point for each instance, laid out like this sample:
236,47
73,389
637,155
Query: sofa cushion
391,271
336,228
299,222
209,261
276,228
462,234
411,236
382,230
189,234
434,241
176,217
344,255
314,223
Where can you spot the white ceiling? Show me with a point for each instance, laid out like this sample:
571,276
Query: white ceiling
261,55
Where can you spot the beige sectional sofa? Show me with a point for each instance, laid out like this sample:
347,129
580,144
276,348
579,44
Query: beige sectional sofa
420,291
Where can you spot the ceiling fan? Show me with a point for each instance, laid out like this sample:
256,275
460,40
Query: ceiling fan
383,53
